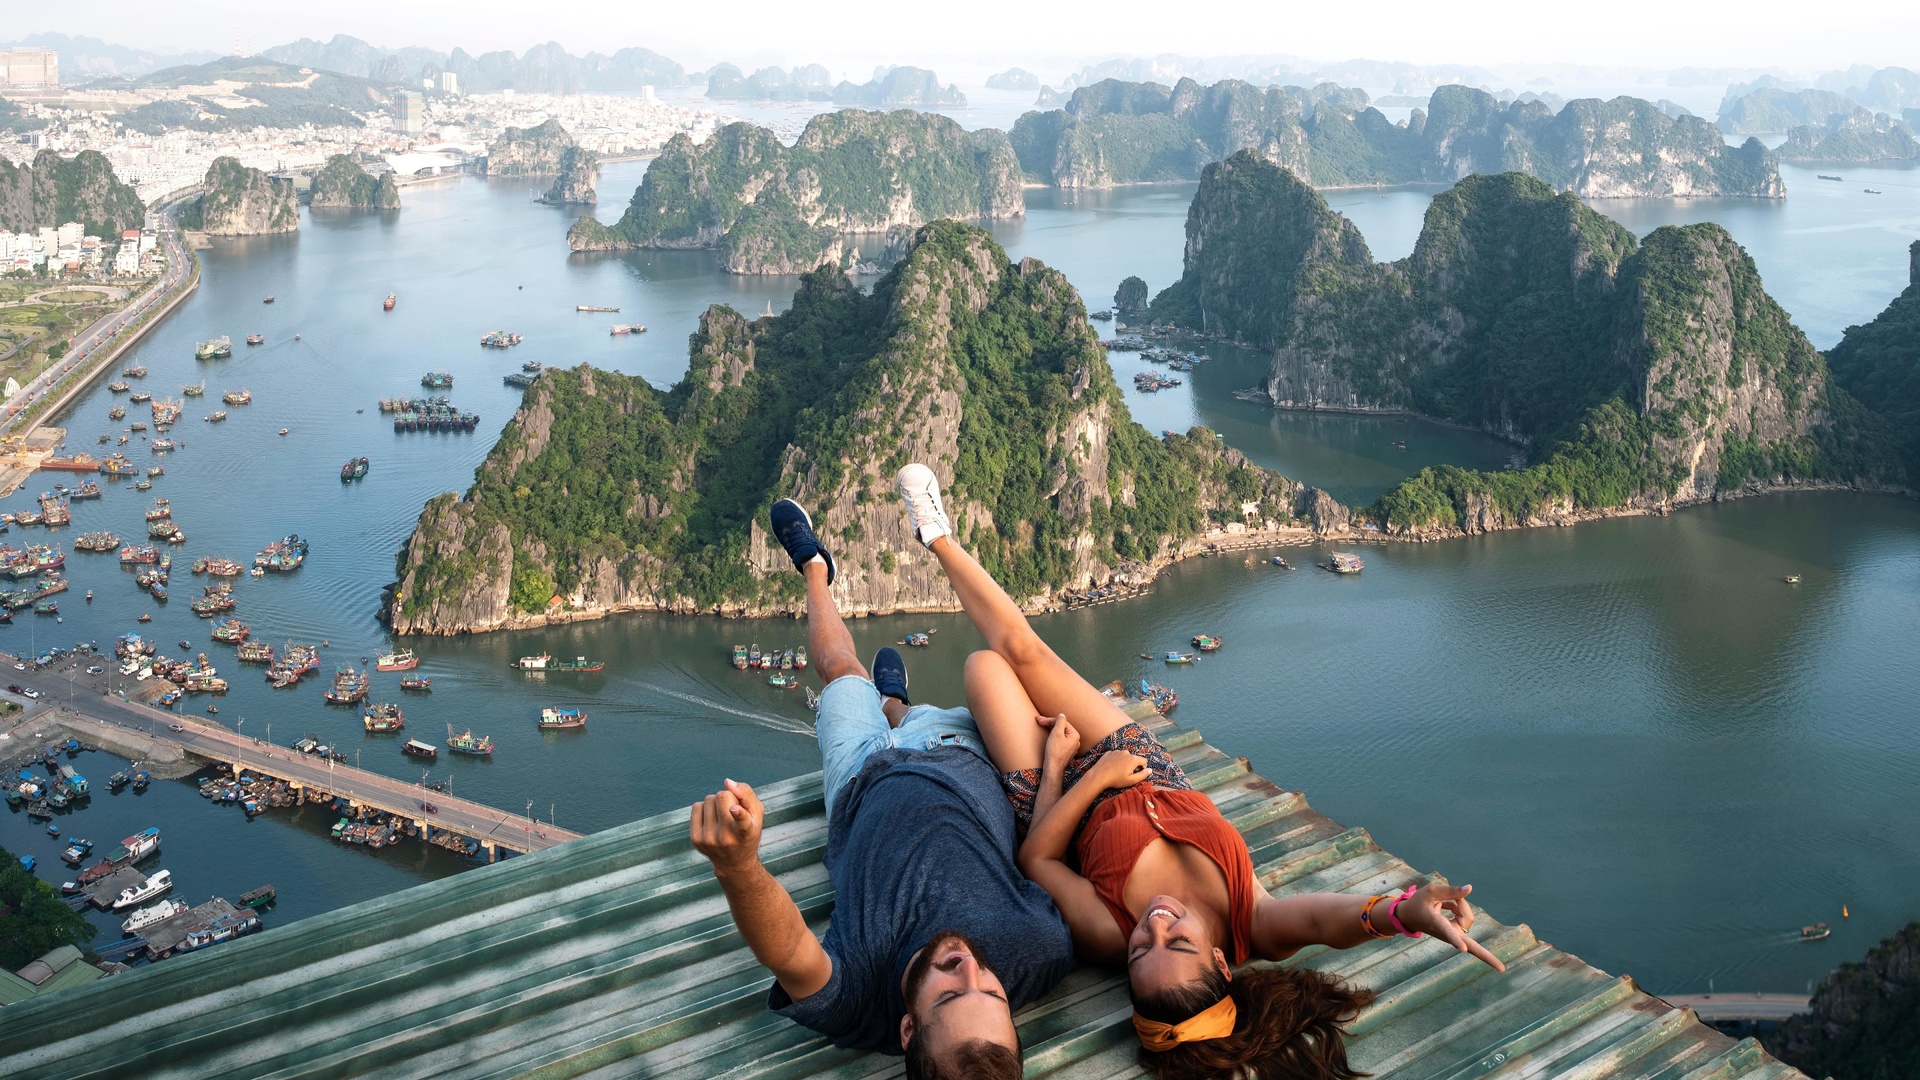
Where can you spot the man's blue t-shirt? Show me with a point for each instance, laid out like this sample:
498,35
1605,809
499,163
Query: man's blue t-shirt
922,842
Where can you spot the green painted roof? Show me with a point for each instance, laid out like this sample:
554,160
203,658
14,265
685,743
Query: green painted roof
613,956
57,970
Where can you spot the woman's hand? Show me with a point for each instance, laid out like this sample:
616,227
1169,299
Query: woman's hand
1062,740
1442,910
1117,769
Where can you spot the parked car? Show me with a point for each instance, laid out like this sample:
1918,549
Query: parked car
95,669
30,692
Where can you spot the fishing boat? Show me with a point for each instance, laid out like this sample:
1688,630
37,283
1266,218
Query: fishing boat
753,656
257,898
1341,562
255,652
140,397
161,446
544,662
349,687
591,307
119,387
531,367
783,680
136,371
465,743
147,916
1791,579
242,396
256,339
354,469
1815,932
134,895
77,850
1175,657
194,389
1206,642
402,660
387,305
622,329
800,658
786,660
740,657
216,416
500,339
118,412
46,607
419,684
416,748
231,631
282,555
381,718
556,719
96,541
143,485
437,380
218,349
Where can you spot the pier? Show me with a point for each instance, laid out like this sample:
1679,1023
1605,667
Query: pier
82,706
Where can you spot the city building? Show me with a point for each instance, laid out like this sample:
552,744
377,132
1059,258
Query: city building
449,82
29,69
409,112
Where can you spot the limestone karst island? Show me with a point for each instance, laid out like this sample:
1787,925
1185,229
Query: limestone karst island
1022,542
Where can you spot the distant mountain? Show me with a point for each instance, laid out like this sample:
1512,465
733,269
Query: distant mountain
547,69
1271,70
1014,79
1857,138
287,96
83,58
899,88
1117,132
808,82
1771,109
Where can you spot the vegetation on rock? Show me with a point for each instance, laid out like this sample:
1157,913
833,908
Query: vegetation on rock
1116,132
241,201
343,183
33,918
1879,363
1865,1020
286,97
615,495
774,209
1639,374
579,175
1858,137
534,151
55,190
1131,297
1773,109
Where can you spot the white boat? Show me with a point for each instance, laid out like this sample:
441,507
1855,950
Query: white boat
159,883
141,844
147,916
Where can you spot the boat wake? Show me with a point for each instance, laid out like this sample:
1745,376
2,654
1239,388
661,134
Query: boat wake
789,724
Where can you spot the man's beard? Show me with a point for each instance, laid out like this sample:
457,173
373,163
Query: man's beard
922,966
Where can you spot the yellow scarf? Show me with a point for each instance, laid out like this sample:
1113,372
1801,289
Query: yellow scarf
1214,1022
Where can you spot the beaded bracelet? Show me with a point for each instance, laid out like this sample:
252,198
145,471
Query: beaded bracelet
1366,918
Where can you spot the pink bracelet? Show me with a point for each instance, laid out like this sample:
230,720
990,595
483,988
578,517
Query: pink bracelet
1393,914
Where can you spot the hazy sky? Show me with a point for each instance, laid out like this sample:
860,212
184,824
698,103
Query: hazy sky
851,36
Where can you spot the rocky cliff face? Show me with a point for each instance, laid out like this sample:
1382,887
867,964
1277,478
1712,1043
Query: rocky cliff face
1641,375
534,151
849,173
343,184
1863,1016
579,172
1773,109
1879,364
54,190
615,497
239,201
1114,132
1855,138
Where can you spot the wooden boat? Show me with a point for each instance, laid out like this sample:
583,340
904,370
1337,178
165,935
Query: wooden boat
416,748
382,718
1342,562
390,301
556,719
257,898
255,339
800,658
781,680
400,660
266,299
1178,657
1206,642
465,743
419,684
1815,932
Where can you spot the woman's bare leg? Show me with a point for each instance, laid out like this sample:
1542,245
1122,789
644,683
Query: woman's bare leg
1051,685
1004,713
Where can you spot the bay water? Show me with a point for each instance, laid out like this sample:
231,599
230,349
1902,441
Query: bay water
1630,734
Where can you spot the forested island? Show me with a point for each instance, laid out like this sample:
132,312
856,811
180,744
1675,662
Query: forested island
53,190
773,209
534,151
241,201
1117,133
604,494
1879,363
1641,375
1853,138
343,184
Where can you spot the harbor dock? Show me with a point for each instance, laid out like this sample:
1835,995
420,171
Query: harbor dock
614,955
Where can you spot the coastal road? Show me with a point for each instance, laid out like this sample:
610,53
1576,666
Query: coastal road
66,684
101,334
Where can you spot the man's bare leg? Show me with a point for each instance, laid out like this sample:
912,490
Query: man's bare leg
829,644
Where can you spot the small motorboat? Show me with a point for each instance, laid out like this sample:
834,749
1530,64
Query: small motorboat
283,431
1173,657
1281,563
1792,579
53,829
146,618
1206,642
266,300
1815,932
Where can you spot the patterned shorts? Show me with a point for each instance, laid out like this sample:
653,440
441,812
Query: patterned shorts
1023,785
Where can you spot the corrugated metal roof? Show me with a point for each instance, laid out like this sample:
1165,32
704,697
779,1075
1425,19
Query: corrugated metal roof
613,956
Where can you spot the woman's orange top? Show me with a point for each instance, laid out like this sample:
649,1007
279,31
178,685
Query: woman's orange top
1123,826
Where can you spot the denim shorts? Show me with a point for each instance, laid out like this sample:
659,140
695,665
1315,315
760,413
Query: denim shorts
851,727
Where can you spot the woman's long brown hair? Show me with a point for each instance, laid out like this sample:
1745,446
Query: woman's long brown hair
1289,1027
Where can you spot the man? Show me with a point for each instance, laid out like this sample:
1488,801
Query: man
936,935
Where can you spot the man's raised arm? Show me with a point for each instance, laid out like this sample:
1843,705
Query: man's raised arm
726,829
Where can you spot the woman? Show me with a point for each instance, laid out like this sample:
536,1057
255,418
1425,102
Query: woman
1165,885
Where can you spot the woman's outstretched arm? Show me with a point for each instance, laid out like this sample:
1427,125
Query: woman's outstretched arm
1285,925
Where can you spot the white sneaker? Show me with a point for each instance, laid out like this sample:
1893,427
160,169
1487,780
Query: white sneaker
920,490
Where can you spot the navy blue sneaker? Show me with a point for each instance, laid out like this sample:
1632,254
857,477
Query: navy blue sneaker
890,674
794,529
